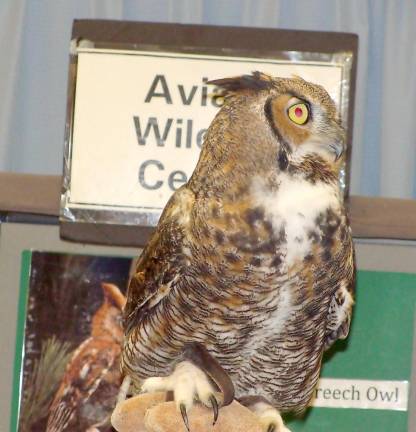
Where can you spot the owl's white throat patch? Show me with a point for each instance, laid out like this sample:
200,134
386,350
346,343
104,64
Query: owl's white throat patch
294,208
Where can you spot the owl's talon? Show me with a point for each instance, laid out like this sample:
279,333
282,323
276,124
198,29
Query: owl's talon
198,376
214,405
184,416
197,354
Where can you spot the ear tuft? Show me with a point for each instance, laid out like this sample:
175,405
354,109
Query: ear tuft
257,81
113,295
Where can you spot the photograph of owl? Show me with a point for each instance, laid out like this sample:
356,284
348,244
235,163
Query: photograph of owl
249,275
89,386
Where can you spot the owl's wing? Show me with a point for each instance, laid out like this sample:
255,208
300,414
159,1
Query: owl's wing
89,364
342,301
162,261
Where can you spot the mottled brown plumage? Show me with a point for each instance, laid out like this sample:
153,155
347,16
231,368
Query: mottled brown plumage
253,257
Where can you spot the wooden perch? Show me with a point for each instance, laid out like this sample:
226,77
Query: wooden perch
149,413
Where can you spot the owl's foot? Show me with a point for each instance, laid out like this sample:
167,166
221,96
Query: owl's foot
187,383
269,417
198,376
199,356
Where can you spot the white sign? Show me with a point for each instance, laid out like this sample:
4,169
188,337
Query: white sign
140,117
361,394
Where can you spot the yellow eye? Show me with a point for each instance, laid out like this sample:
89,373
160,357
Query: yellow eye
299,113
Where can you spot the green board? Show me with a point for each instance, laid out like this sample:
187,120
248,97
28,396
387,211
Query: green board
20,333
379,348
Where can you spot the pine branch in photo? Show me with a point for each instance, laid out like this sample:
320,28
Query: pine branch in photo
43,382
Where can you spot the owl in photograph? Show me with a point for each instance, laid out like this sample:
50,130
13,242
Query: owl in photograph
89,387
249,275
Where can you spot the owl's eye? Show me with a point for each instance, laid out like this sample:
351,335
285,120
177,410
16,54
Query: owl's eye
299,113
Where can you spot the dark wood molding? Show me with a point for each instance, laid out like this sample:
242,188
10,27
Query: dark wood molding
389,218
218,37
371,217
30,193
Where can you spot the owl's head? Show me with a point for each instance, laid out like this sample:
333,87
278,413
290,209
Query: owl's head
107,320
300,116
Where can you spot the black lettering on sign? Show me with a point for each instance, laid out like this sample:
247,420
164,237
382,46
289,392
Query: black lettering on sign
164,93
189,133
142,174
152,124
159,88
187,100
204,93
176,179
372,394
346,394
188,128
178,132
327,393
355,393
336,394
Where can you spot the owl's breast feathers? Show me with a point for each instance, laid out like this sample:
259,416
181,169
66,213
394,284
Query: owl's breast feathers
236,251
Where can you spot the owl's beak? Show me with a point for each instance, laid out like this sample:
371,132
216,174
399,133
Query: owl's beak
337,144
338,148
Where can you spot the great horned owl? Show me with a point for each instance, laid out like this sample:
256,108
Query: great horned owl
89,387
249,275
